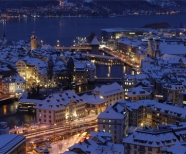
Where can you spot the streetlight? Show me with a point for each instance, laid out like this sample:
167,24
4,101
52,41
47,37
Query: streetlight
41,42
57,43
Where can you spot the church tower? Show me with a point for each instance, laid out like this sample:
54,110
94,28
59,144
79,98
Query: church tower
33,41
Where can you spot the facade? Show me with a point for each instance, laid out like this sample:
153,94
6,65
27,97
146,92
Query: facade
182,98
95,104
12,143
14,85
114,120
33,70
59,107
111,92
128,82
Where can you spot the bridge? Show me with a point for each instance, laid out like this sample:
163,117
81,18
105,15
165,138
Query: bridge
73,48
108,79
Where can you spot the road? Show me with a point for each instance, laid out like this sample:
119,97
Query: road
124,58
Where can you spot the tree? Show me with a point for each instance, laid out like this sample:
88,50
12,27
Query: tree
70,70
50,68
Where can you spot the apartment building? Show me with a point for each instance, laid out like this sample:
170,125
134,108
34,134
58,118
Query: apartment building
153,113
148,140
59,107
111,92
114,120
138,93
171,91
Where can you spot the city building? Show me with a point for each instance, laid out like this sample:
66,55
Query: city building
114,120
59,107
111,92
98,142
153,113
148,140
95,104
12,143
138,93
171,91
14,85
159,46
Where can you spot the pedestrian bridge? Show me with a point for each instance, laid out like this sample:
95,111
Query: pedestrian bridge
73,48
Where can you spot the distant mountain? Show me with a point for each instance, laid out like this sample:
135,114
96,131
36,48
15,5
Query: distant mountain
26,3
115,5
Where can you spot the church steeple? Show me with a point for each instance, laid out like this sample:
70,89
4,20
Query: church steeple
33,41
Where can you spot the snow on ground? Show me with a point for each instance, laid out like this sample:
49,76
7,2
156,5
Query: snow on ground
62,146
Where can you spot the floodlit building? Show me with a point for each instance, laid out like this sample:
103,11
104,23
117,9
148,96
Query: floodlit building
95,104
59,107
14,84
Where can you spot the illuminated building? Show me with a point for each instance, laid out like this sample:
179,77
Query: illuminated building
59,107
153,113
14,85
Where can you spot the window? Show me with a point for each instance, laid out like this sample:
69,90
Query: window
135,146
49,111
109,131
49,116
109,126
109,120
149,148
115,132
44,115
39,110
103,126
44,111
49,121
44,120
103,120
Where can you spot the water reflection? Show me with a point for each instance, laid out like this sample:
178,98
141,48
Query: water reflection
5,109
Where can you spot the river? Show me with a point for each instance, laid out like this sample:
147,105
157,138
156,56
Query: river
67,29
